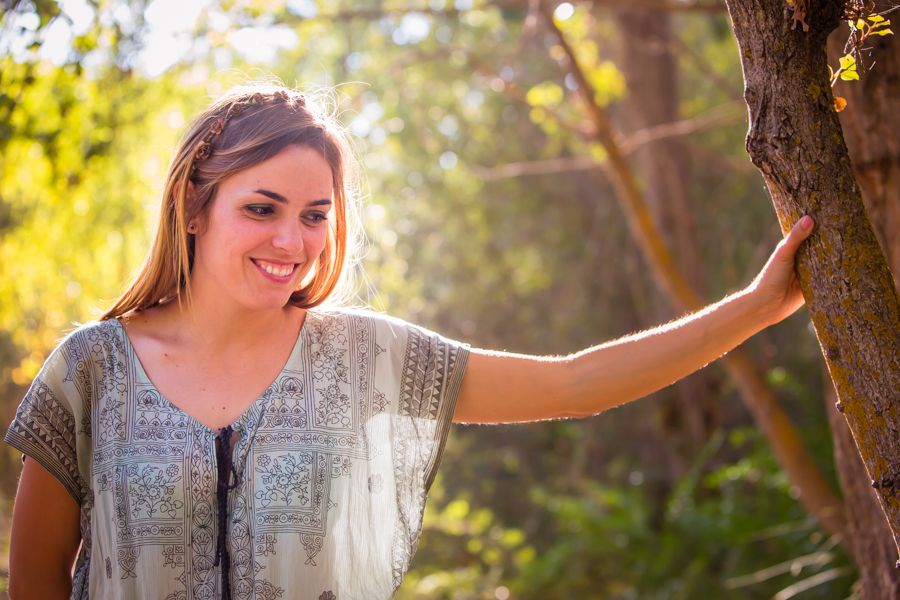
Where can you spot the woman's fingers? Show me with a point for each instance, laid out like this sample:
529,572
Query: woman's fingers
777,283
799,232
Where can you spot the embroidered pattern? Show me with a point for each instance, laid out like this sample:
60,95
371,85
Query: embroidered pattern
305,458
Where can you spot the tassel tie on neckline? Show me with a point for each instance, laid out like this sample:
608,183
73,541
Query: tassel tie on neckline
225,468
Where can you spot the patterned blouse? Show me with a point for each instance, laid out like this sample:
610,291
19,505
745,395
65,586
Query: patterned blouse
333,464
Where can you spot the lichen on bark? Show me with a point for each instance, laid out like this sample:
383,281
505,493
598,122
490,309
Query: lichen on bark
795,139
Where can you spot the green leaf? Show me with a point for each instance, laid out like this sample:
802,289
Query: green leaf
850,75
848,62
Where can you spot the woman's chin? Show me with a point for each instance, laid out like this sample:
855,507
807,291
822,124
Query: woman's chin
267,302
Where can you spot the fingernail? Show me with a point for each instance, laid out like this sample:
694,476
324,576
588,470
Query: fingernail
806,222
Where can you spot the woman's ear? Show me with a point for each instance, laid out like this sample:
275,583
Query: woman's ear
189,191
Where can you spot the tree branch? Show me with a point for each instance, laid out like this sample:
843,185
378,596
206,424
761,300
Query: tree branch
531,5
725,87
815,492
694,6
719,116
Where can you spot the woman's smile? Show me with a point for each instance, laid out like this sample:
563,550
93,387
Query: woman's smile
278,271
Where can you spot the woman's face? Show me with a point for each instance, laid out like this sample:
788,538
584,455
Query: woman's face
265,229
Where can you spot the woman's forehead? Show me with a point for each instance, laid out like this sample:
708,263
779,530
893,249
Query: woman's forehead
295,171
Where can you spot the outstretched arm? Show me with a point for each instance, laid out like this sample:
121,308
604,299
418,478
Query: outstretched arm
503,388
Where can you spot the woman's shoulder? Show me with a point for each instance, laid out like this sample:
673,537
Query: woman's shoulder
390,329
92,336
88,340
339,317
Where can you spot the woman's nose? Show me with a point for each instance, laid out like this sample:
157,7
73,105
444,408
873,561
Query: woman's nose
289,238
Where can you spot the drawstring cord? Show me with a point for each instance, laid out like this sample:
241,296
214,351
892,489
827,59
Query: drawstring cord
225,467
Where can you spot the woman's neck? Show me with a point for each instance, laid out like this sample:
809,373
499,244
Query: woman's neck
222,325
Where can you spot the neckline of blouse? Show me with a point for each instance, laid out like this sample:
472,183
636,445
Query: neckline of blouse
239,424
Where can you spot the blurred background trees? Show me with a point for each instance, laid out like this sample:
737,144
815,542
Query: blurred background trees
492,217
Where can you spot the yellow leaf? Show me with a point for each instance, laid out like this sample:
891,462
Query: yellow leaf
546,94
860,24
850,75
848,62
876,18
839,104
883,32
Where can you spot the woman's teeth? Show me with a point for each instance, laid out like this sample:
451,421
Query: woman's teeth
273,270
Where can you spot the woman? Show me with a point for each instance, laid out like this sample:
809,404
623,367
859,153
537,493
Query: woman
224,436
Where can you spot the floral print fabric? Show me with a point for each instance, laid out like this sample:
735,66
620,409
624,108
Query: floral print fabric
334,463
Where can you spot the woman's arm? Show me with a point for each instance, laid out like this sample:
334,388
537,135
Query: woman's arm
503,388
45,537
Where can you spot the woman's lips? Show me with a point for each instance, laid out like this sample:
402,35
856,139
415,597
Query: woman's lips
276,271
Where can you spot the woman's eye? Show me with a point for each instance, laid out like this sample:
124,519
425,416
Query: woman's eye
317,217
260,210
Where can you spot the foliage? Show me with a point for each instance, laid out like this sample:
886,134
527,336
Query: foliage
862,24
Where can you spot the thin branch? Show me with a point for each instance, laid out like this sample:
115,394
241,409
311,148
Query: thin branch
725,114
708,7
781,529
370,14
519,94
818,558
793,565
718,116
811,582
536,167
725,87
815,491
531,5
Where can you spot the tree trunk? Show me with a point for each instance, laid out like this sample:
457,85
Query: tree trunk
871,124
652,78
870,536
795,140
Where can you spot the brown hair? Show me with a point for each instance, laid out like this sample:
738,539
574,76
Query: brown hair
244,127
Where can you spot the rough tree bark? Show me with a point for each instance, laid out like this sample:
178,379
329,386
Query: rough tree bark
871,124
816,493
795,140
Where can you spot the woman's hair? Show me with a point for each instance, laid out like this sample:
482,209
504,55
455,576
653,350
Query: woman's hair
247,125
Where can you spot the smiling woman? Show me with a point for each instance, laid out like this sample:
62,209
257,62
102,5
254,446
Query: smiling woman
218,433
265,231
245,128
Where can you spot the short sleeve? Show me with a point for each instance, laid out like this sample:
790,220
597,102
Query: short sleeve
46,424
432,374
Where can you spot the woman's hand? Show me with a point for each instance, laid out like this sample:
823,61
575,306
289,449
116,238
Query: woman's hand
777,288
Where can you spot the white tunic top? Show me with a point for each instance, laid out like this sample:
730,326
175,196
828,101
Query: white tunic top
334,463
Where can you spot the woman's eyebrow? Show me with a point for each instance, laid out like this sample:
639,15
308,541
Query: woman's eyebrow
273,195
279,198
